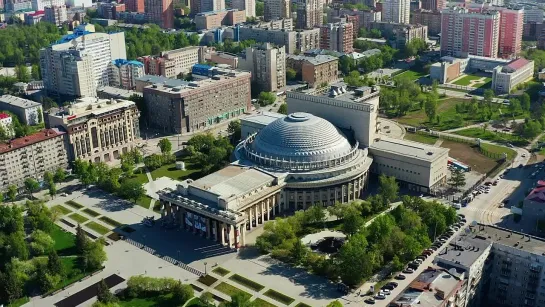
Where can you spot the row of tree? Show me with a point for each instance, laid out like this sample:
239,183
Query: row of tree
208,152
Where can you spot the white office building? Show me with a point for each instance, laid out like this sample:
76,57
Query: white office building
29,112
396,11
505,78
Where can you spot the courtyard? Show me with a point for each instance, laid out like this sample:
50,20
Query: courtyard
475,81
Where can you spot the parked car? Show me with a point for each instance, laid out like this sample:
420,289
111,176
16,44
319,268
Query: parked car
387,287
408,271
370,301
393,283
401,277
380,296
386,292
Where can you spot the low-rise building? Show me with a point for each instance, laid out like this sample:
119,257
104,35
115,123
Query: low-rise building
108,92
146,80
172,63
365,17
29,112
294,41
110,10
219,57
215,19
31,156
450,68
34,17
123,73
6,123
197,105
267,65
315,70
505,78
400,32
99,130
533,207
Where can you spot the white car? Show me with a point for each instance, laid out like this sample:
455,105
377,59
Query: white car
386,292
380,297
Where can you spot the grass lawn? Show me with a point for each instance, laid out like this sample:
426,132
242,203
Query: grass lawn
98,228
221,271
171,171
302,305
421,138
109,221
279,297
73,273
155,301
492,136
74,204
78,218
248,283
263,303
229,290
91,212
19,302
64,241
61,209
500,149
144,201
466,81
207,280
141,176
411,74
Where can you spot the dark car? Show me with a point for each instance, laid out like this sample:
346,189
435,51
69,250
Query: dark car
388,287
401,277
393,283
370,301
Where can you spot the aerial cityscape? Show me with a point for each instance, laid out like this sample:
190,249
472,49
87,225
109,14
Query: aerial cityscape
272,153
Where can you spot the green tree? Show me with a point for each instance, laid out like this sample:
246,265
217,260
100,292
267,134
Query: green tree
291,74
128,168
514,106
60,175
11,285
240,299
54,264
81,240
93,255
35,72
315,214
103,293
352,222
234,128
259,8
22,74
525,102
31,185
354,262
457,178
283,109
207,299
430,107
48,177
16,246
335,303
298,252
132,190
45,280
266,98
388,188
41,243
182,293
165,145
488,96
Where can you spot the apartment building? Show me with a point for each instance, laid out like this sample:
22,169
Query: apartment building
135,6
29,112
98,130
267,65
277,24
433,5
431,19
39,5
18,5
533,14
6,122
400,33
469,33
56,15
31,156
34,18
215,19
200,6
294,41
315,70
365,18
309,13
69,57
197,105
160,12
337,37
123,73
173,62
397,11
110,10
79,3
277,9
507,77
248,6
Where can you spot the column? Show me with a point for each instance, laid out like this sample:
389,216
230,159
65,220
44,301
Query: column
222,233
280,203
169,209
163,206
231,235
194,221
236,241
262,205
268,207
296,197
208,230
243,236
273,201
286,200
214,230
182,218
251,216
255,215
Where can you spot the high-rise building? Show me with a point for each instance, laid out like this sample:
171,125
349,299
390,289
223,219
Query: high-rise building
309,13
511,29
80,52
216,19
396,11
160,12
277,9
55,14
429,18
99,130
18,5
533,15
267,64
200,6
123,73
469,33
337,37
110,10
79,3
39,5
197,105
433,5
134,6
244,5
365,18
172,63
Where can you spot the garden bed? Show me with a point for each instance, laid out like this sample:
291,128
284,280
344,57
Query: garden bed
221,271
91,212
98,228
74,204
207,280
279,297
62,209
263,303
302,305
247,282
110,222
230,290
80,219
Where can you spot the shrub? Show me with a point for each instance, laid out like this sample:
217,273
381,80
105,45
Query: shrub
142,285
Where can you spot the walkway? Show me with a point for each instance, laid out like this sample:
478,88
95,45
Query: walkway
88,293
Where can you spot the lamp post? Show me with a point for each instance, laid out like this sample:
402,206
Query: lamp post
205,272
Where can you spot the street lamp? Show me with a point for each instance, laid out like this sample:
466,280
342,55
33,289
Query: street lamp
205,263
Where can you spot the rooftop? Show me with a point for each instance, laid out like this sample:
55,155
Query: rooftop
86,106
18,102
37,137
315,60
518,64
538,193
116,92
429,289
513,239
408,149
119,62
4,115
263,118
464,250
162,80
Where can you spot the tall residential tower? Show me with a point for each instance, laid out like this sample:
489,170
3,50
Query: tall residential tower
160,12
309,13
396,11
277,9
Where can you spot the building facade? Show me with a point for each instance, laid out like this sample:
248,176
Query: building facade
294,41
173,62
431,19
29,112
197,105
277,9
31,156
75,50
55,14
309,13
216,19
99,130
110,10
267,65
365,17
337,37
397,11
34,18
135,6
469,33
123,73
248,6
401,34
315,70
39,5
201,6
160,12
433,5
507,77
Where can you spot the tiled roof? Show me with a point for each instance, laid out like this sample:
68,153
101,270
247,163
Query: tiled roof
538,193
4,115
37,137
518,63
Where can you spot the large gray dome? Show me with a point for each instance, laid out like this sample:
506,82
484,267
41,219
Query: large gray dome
301,137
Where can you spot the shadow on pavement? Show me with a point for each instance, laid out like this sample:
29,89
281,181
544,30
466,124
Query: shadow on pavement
89,292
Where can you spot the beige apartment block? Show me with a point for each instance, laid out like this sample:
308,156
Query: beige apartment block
316,70
173,62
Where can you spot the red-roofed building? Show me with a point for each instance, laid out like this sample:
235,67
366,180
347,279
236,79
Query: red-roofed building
31,156
34,18
533,208
505,78
6,123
